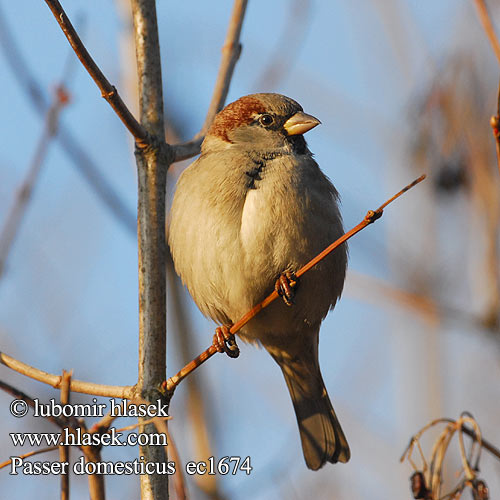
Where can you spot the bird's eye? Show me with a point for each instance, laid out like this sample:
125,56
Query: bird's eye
266,120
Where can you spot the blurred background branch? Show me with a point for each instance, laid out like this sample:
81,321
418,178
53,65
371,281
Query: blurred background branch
24,192
77,153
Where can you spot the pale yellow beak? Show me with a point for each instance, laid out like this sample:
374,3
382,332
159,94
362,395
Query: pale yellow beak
300,123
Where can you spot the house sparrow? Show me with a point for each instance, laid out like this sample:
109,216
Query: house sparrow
251,210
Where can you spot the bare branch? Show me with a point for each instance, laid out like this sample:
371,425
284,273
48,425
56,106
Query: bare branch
187,150
287,46
178,479
77,153
64,450
495,125
29,454
488,26
197,398
108,91
61,422
372,215
427,479
230,54
231,51
495,44
151,175
112,391
23,196
96,481
91,453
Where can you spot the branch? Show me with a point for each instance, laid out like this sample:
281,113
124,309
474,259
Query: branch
108,91
495,44
488,26
111,391
198,399
429,475
495,126
25,190
64,450
77,153
287,48
96,481
61,422
91,453
30,454
231,51
151,177
371,216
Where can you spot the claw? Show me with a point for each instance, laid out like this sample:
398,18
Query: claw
285,285
224,341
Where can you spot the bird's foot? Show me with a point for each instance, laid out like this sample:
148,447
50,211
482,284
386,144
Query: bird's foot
224,341
285,287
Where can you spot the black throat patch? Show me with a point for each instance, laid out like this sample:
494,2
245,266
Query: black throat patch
254,173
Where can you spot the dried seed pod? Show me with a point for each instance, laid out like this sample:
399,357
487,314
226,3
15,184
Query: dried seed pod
418,485
480,490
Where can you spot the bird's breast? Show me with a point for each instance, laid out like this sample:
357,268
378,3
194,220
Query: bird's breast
250,216
270,218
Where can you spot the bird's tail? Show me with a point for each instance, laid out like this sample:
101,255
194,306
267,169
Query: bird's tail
322,437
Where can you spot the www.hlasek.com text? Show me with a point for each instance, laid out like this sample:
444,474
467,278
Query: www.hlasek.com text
76,437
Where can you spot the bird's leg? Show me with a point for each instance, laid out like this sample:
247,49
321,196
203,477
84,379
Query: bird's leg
224,341
285,286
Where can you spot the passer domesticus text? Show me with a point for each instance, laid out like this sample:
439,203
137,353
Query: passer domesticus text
253,209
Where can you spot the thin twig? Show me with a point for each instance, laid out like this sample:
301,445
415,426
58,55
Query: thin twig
30,454
231,51
70,145
112,391
433,475
178,479
25,190
91,453
108,91
64,450
60,422
484,443
198,400
495,125
485,18
187,150
372,215
104,424
287,47
468,470
138,424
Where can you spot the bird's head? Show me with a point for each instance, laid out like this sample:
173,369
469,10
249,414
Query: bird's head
260,122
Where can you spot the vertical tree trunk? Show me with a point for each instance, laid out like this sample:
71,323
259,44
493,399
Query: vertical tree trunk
152,168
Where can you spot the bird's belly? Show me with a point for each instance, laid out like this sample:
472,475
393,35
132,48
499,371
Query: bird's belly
276,236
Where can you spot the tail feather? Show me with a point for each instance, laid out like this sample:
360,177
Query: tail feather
322,437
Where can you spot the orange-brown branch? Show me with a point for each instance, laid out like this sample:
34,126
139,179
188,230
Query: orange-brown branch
372,215
108,91
485,18
495,125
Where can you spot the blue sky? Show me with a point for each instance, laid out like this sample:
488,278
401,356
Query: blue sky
69,295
